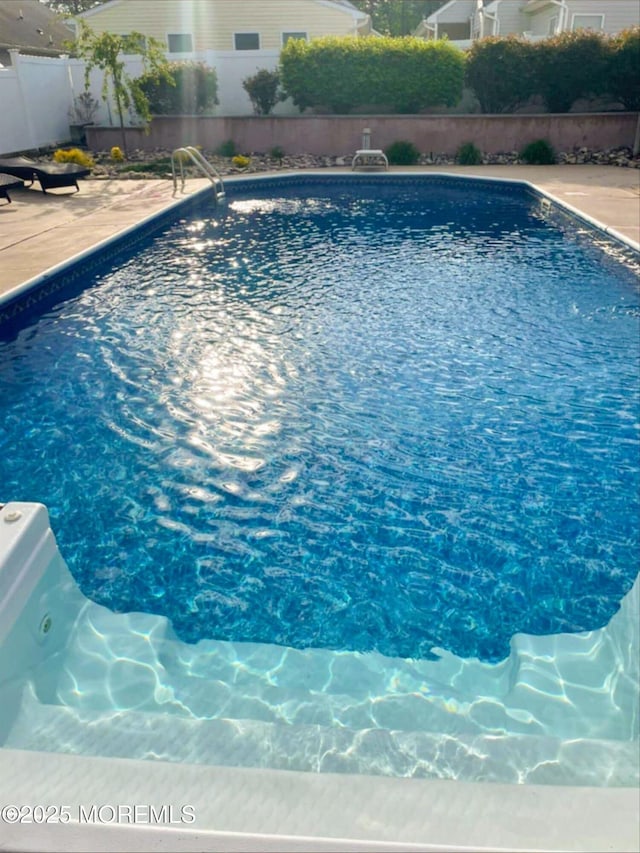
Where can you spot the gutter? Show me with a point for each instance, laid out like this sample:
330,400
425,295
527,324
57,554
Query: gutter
563,19
490,16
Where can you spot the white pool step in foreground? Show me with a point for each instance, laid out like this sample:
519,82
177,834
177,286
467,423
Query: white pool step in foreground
119,662
257,743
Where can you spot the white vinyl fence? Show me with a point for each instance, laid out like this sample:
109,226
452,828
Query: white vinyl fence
37,94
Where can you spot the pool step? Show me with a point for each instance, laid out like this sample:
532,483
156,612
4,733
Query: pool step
256,743
135,662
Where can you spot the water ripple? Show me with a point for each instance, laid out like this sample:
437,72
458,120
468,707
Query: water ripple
391,424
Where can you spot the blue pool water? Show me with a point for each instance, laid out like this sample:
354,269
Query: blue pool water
350,418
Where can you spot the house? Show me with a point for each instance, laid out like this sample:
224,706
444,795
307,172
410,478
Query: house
237,38
189,27
464,21
31,28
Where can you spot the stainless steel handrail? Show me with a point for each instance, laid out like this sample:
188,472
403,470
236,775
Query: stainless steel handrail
198,160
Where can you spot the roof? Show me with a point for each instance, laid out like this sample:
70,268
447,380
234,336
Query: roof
453,11
31,27
347,5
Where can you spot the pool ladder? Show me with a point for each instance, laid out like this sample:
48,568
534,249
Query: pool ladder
181,154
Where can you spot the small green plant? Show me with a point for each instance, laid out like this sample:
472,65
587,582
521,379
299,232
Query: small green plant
116,154
227,149
241,162
402,153
74,155
538,153
277,152
84,109
469,155
264,92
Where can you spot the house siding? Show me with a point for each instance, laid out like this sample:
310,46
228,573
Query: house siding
213,23
618,14
512,21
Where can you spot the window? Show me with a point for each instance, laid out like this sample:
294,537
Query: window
553,26
587,22
135,45
247,41
287,36
180,42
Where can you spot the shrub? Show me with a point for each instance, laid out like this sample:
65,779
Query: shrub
241,162
538,153
116,154
469,155
262,89
227,148
624,63
342,73
277,152
402,153
74,155
84,109
194,90
569,66
502,73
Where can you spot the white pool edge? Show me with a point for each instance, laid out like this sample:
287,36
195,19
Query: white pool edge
234,807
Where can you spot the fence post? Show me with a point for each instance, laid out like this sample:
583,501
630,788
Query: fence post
24,101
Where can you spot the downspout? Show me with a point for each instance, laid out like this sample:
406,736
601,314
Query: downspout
429,27
564,14
493,17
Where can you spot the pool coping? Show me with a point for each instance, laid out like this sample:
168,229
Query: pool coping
281,810
242,808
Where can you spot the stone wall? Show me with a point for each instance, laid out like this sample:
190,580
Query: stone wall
341,135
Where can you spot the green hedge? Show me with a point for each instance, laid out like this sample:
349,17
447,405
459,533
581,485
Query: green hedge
624,68
502,73
406,75
195,90
506,72
570,66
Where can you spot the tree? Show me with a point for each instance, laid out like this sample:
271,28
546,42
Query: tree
71,7
105,52
398,17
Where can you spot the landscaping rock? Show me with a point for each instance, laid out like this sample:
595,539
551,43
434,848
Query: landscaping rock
159,160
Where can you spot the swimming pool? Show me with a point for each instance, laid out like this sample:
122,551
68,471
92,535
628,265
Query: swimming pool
422,465
346,421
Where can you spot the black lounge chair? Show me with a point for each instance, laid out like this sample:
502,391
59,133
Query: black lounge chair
8,182
50,175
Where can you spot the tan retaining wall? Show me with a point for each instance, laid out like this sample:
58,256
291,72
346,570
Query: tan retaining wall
340,135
